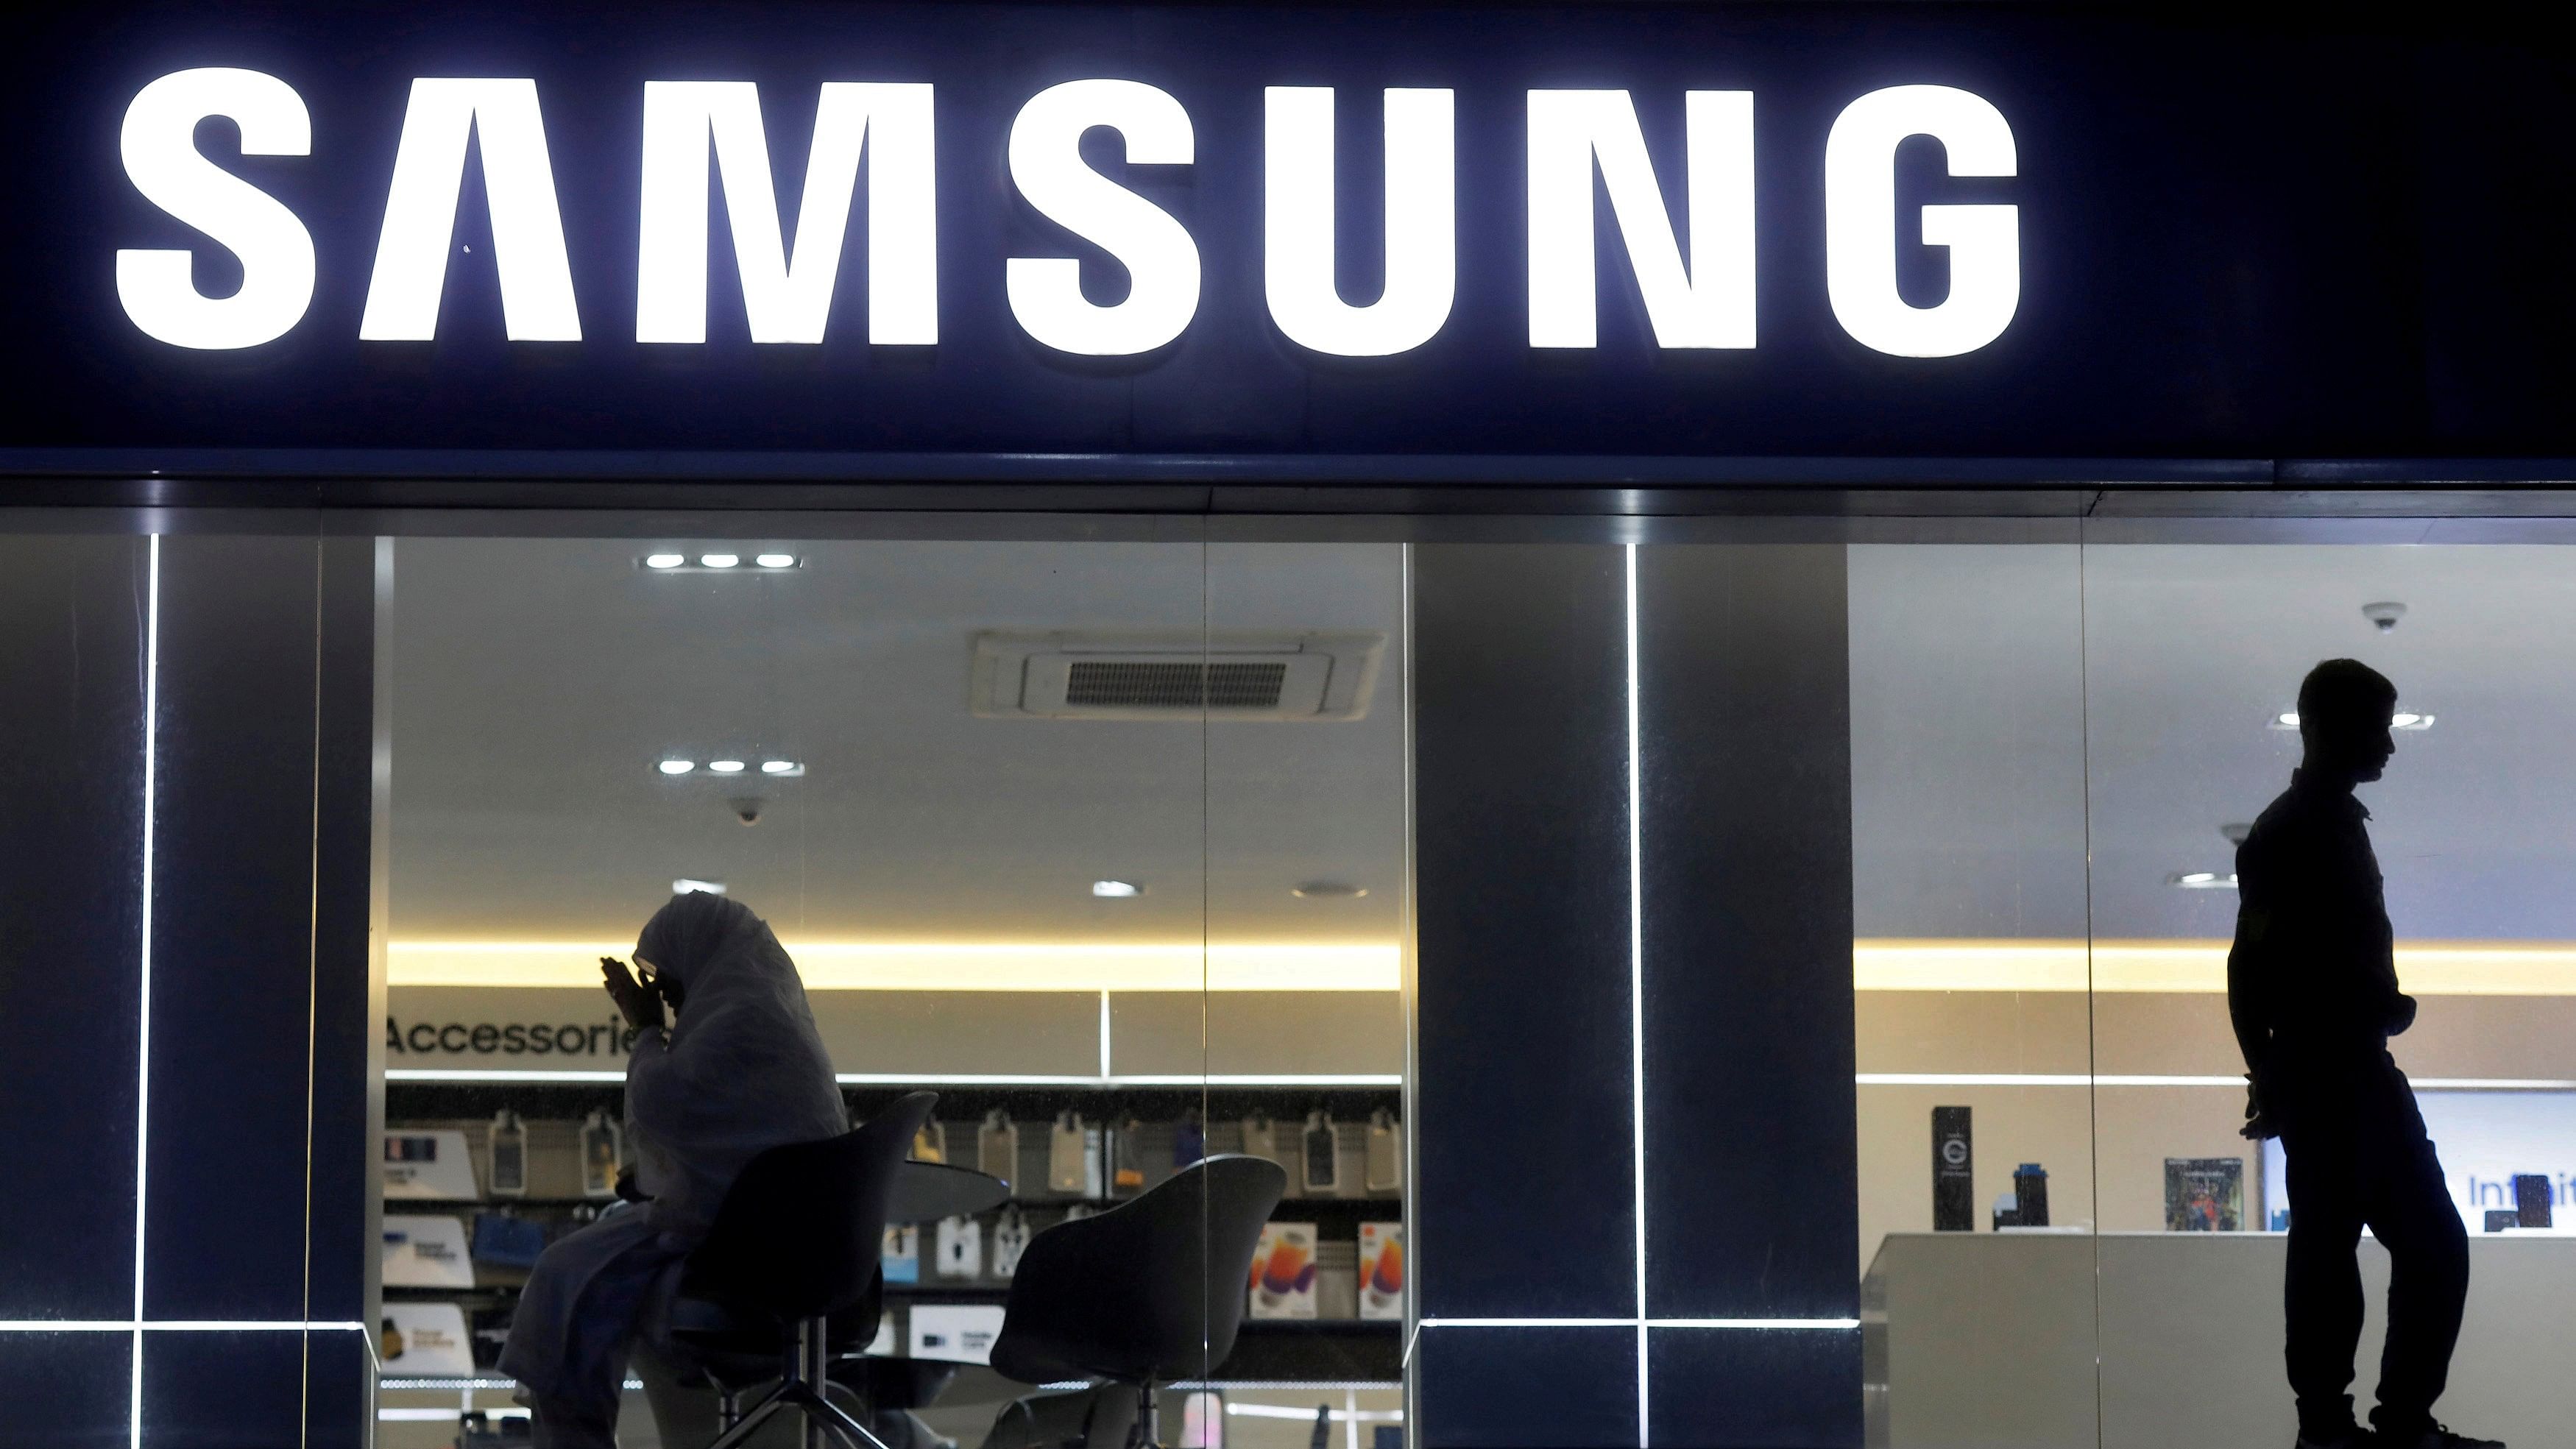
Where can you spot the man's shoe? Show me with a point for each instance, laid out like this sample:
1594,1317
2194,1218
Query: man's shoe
2438,1437
2353,1438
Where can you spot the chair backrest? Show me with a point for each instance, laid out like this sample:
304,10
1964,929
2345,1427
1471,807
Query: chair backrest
1151,1289
801,1230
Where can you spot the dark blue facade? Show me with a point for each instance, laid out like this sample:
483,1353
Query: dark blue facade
2236,241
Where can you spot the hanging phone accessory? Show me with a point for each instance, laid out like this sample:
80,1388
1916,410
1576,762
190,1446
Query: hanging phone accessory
1067,1169
900,1259
1127,1158
961,1248
603,1147
930,1143
1385,1152
997,1147
1010,1239
505,1155
1189,1140
1323,1159
1261,1138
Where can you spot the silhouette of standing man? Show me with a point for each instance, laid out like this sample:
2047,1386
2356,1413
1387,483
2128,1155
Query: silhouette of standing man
2312,987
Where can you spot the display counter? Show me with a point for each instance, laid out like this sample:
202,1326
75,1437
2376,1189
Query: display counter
1990,1339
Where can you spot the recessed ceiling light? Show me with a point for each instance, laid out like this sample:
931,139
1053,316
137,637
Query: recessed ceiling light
725,767
1328,890
665,560
2202,880
776,560
719,560
685,886
676,767
780,767
1116,889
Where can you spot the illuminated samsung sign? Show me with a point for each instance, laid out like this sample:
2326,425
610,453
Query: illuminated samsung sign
1694,273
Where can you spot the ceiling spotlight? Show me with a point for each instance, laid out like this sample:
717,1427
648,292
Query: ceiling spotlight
2236,831
1328,890
685,887
725,767
665,560
780,767
676,767
1116,889
2384,614
776,560
2202,880
719,560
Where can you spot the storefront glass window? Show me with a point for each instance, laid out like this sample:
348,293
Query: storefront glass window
1102,842
2196,653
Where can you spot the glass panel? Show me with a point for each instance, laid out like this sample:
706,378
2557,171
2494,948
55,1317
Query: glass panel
958,782
1305,1015
2195,655
1971,1015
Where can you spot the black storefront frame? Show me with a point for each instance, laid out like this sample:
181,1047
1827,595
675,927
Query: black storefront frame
215,559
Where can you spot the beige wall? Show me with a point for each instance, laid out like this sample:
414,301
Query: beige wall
951,1033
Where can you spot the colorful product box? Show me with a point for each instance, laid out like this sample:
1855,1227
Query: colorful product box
1381,1270
1283,1271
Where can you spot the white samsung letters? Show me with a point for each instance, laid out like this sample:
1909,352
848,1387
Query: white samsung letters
1697,281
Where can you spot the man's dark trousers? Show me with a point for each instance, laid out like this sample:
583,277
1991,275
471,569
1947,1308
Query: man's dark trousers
2358,1155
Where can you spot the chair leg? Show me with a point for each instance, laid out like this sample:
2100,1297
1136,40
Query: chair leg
1147,1432
813,1364
728,1408
859,1435
742,1431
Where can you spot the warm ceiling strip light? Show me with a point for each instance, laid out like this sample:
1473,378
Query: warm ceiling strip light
1087,966
2425,968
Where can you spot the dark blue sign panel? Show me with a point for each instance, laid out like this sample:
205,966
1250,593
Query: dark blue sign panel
1777,231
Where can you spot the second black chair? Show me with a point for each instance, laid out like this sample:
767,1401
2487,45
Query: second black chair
789,1270
1150,1292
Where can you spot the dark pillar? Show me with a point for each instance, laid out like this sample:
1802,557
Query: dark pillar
259,1172
1522,1200
1752,1186
71,831
1525,1103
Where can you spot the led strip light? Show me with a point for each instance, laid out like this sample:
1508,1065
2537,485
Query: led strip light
1637,994
139,1327
143,1030
951,1079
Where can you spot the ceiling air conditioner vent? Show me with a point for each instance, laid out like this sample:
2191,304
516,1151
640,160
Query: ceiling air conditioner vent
1233,676
1099,683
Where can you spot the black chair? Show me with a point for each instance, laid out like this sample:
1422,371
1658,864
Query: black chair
789,1270
1149,1292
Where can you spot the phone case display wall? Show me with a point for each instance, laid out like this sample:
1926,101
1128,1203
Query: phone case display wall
480,1180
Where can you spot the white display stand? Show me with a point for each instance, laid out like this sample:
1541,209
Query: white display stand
955,1332
429,1164
432,1338
426,1251
1989,1341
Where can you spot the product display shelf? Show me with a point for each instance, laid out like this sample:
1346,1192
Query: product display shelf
1337,1346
